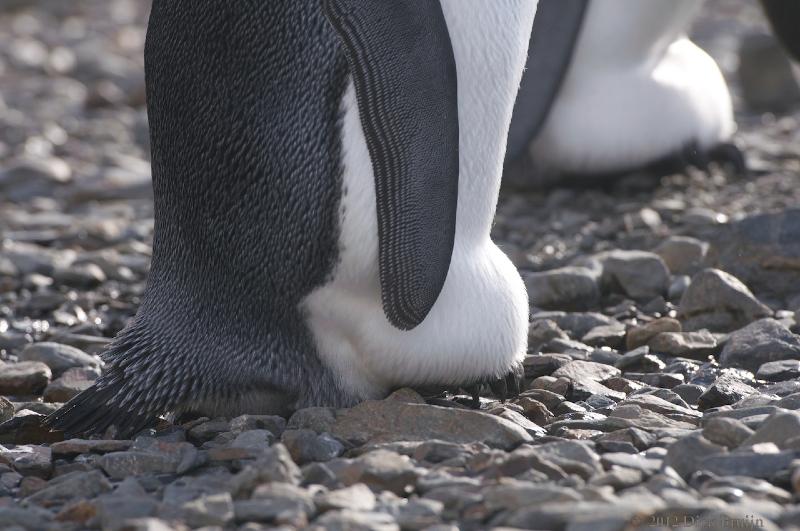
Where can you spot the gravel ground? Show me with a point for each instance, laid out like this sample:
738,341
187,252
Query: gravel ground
663,376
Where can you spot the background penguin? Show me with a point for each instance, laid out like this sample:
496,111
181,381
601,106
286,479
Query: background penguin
325,175
628,89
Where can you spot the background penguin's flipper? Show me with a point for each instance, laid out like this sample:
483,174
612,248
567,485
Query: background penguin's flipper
404,73
555,32
785,18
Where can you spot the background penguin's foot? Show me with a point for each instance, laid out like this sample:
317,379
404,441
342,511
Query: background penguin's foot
726,155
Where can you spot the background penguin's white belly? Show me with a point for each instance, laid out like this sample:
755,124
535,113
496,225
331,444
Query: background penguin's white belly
637,90
479,323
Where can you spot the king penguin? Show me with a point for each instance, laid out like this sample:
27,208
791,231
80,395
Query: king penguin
325,175
614,86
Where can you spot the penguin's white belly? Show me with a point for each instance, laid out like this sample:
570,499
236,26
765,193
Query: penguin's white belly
478,326
639,98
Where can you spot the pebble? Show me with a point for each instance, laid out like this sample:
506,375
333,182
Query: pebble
719,302
639,336
726,390
58,357
779,429
392,420
307,446
641,275
683,255
727,432
69,385
778,371
25,378
694,345
761,342
567,288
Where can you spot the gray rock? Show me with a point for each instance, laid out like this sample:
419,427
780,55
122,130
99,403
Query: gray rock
148,456
566,288
28,460
586,376
763,251
256,440
639,336
759,343
379,470
690,393
778,371
380,421
541,332
512,495
544,364
719,302
115,510
678,287
778,429
683,255
25,378
752,464
639,360
765,72
69,385
82,276
420,513
347,520
726,390
577,324
71,486
694,345
318,419
273,465
73,447
611,335
641,275
211,510
58,357
727,432
273,423
572,456
273,500
28,518
208,430
356,497
689,454
306,446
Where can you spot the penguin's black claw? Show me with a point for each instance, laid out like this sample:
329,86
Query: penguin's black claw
510,385
693,155
729,156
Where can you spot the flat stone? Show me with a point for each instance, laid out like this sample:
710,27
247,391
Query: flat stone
727,432
25,378
566,288
28,460
381,421
211,510
689,454
206,431
356,497
273,465
645,419
58,357
541,332
71,486
759,343
638,336
719,302
73,447
683,255
306,446
69,385
726,390
512,495
537,365
28,518
641,275
660,380
690,393
379,470
149,456
663,407
639,360
752,464
611,335
347,520
695,345
778,428
779,371
569,453
577,324
419,514
318,419
272,423
115,510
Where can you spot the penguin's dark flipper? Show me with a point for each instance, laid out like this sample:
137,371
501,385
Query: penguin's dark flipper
555,32
784,15
404,72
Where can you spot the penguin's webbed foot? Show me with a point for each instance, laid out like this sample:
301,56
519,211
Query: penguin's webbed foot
726,154
505,388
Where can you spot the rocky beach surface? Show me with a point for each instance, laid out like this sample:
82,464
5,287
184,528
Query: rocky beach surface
662,381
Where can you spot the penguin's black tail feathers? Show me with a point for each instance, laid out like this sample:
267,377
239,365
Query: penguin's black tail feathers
94,411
